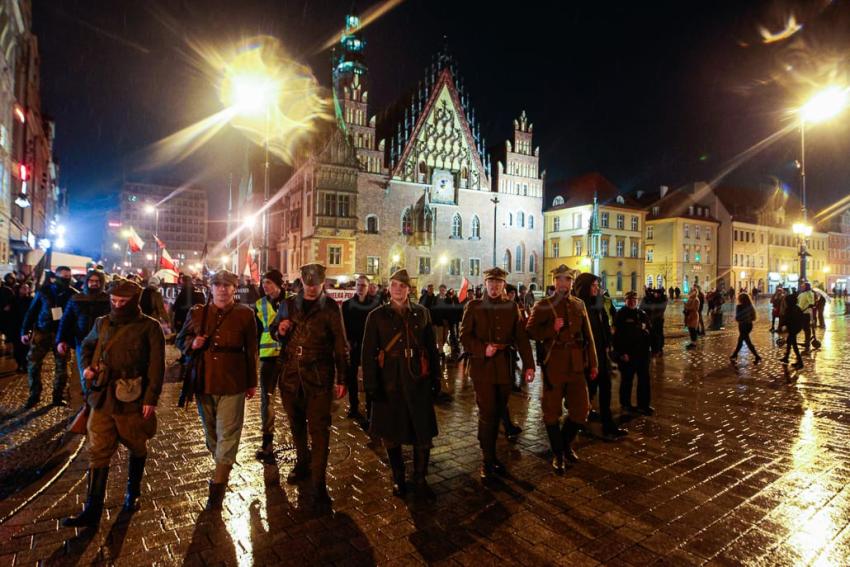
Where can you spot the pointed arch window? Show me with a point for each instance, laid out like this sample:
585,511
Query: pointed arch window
532,263
407,222
506,261
519,259
530,221
520,219
475,230
457,226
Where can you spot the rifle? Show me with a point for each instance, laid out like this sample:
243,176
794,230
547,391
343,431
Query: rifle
194,366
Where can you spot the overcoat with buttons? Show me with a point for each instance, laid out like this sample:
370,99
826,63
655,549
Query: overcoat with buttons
570,351
402,399
230,355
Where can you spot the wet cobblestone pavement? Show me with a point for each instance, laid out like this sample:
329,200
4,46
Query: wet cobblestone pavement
742,464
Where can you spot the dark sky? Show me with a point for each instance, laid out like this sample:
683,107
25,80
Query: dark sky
647,93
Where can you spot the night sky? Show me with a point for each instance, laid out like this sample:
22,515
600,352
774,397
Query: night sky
646,93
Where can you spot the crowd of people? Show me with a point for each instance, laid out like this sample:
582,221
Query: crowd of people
292,338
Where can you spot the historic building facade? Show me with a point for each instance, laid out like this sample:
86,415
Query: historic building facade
838,254
412,187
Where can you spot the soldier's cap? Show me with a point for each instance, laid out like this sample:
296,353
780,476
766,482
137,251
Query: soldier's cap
225,277
313,274
125,288
401,276
563,270
631,294
495,273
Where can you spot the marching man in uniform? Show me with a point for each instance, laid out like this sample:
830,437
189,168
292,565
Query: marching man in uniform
491,326
561,323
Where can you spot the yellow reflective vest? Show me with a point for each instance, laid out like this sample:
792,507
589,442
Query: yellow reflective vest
269,347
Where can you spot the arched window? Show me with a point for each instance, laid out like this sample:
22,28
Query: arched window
557,201
619,281
475,230
532,263
649,281
660,280
407,222
506,261
634,281
423,172
372,224
530,221
603,280
510,219
457,226
520,219
519,259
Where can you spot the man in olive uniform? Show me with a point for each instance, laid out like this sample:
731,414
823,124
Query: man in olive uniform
561,323
267,307
313,353
401,373
124,361
490,328
224,333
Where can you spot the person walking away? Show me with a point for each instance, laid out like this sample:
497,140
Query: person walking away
691,311
631,340
78,319
560,322
489,329
401,374
355,310
19,310
745,315
819,309
269,349
776,301
124,360
806,302
42,320
793,319
224,334
188,297
701,297
152,303
313,354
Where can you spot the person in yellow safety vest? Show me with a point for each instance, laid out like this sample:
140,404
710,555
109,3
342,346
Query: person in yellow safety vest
806,303
266,308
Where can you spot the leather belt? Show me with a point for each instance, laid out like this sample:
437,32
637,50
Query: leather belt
403,353
231,350
301,352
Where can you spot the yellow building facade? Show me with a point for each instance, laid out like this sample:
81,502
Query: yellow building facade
784,259
681,252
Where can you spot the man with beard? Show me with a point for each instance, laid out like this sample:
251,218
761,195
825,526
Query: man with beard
225,334
124,360
313,352
42,319
401,373
587,289
559,321
490,328
266,308
78,319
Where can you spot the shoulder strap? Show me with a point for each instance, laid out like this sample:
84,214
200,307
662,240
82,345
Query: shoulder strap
100,351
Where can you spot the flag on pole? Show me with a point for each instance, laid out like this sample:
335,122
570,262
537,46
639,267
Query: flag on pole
464,289
252,270
134,241
165,261
159,242
203,261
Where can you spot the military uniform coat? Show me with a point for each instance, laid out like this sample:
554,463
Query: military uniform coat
569,351
402,399
496,321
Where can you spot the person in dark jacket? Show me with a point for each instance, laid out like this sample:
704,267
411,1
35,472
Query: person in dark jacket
188,297
313,353
793,319
124,359
401,374
654,304
354,313
745,315
152,303
79,317
16,316
42,320
587,289
632,347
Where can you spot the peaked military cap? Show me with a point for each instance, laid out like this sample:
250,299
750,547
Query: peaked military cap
125,288
313,274
495,273
225,277
401,276
563,270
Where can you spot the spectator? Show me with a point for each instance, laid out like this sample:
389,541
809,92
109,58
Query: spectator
793,320
78,319
151,301
20,306
745,315
691,312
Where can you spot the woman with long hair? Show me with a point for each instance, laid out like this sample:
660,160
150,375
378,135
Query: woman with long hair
745,315
691,312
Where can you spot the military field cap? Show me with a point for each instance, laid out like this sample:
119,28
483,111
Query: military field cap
401,276
563,270
225,277
495,273
631,294
313,274
124,288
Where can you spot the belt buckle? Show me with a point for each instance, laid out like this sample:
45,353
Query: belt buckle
299,351
408,353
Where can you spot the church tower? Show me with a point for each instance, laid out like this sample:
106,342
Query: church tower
517,170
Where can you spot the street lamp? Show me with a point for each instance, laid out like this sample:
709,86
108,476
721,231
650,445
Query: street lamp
822,106
803,232
154,210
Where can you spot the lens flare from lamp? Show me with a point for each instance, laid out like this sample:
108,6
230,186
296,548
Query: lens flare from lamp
824,105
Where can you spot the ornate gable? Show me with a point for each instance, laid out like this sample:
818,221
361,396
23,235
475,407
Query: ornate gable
442,149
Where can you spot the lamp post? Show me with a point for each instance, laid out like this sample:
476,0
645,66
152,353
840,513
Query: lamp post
153,209
495,201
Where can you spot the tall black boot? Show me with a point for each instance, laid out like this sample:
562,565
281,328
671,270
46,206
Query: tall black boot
556,443
397,463
134,483
93,509
266,451
568,434
421,457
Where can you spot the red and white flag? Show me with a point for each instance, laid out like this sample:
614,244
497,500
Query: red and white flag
159,242
252,270
165,261
464,289
134,241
